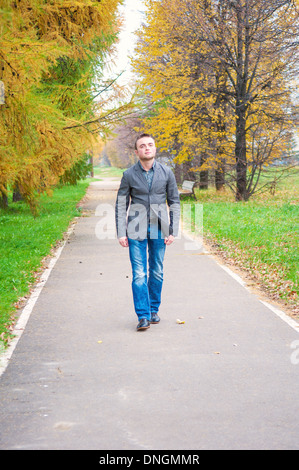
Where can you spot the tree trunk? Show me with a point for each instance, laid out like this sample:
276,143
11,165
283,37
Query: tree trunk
17,196
220,177
178,173
204,179
3,200
242,72
221,110
241,158
203,174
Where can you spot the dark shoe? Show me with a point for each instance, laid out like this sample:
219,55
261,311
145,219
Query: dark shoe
143,324
154,318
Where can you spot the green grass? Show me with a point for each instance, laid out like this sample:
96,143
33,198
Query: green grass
261,235
25,241
107,171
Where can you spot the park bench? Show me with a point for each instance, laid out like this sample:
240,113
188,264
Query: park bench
187,189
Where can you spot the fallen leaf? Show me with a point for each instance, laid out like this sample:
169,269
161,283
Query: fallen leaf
180,322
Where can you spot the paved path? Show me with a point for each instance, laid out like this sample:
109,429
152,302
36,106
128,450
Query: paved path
81,377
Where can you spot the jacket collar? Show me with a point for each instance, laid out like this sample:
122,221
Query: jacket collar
139,169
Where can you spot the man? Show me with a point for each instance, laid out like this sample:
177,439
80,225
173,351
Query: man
146,189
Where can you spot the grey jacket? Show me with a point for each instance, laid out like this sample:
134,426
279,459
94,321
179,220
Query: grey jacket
147,206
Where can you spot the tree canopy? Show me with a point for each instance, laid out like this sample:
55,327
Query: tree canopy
52,56
219,76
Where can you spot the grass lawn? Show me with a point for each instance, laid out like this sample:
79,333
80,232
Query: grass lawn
260,236
25,241
107,171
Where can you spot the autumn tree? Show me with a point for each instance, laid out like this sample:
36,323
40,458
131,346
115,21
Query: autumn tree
220,73
51,54
259,60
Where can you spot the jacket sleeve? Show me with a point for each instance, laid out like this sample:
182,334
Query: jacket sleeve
173,201
121,207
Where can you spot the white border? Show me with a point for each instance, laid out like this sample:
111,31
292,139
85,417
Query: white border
286,318
27,310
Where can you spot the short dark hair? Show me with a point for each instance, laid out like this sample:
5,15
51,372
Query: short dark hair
140,137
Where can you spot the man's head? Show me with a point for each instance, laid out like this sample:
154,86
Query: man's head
145,147
141,136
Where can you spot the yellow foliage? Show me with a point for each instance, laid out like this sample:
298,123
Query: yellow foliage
35,148
187,60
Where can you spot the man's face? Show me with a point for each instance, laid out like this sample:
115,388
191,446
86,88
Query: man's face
146,149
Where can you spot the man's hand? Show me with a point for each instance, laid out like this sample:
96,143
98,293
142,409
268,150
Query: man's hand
123,241
169,240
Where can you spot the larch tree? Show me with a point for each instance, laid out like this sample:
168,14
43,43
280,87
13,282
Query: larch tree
51,58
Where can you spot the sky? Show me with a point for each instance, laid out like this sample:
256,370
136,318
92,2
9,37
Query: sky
133,11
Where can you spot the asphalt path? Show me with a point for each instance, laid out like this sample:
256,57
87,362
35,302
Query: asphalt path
81,377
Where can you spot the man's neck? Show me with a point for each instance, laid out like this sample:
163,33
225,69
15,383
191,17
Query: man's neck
147,164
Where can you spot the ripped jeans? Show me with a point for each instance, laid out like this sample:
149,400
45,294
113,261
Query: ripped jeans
147,288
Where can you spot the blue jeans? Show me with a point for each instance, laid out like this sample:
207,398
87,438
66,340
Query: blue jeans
147,288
